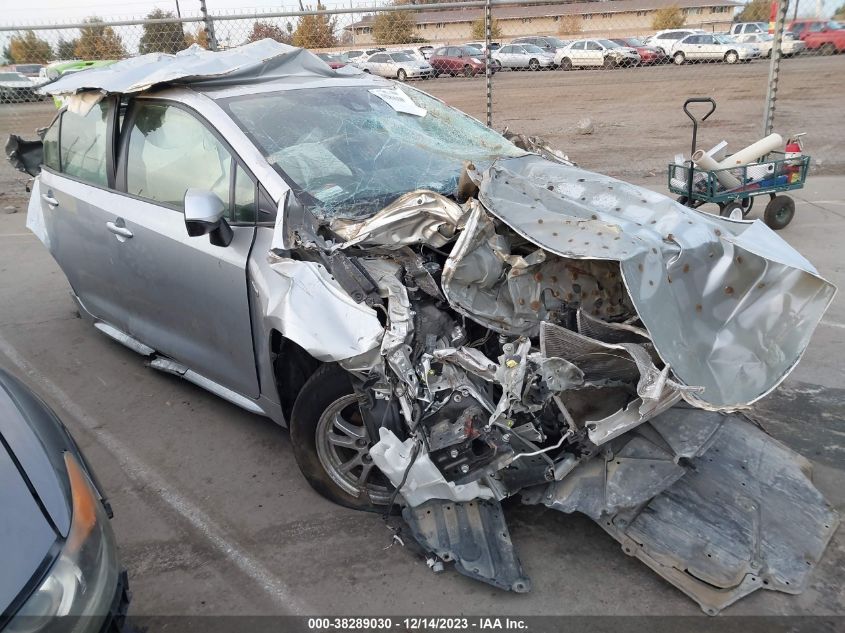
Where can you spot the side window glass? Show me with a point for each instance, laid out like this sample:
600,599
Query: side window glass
83,145
50,143
244,207
171,151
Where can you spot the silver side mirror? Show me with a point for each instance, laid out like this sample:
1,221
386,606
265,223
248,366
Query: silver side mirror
204,212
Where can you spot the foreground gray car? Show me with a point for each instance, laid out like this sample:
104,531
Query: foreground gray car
60,567
444,317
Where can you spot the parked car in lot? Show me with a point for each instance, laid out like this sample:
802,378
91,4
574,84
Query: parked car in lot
803,27
334,61
549,44
648,54
29,70
521,57
764,41
494,46
827,41
17,88
666,39
457,60
399,66
596,53
706,47
748,28
443,318
56,543
354,57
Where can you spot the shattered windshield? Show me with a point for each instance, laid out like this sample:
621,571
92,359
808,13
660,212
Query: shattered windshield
353,150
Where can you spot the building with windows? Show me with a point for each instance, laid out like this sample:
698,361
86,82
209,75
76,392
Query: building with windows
569,20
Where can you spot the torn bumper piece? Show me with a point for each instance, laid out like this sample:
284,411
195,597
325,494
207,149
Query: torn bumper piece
474,535
740,514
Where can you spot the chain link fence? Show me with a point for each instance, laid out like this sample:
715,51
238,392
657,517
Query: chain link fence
602,81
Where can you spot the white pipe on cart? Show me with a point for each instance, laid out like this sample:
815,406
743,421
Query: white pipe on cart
725,178
753,151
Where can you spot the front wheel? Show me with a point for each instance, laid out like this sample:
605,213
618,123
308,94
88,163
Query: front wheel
566,64
332,445
731,57
468,72
609,63
679,58
828,49
497,65
401,75
533,64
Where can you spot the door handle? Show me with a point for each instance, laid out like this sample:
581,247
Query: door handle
122,231
49,200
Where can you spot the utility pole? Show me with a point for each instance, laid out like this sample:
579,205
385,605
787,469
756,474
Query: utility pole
488,70
209,26
774,67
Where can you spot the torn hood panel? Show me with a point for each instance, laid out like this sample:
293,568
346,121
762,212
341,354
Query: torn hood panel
729,305
257,62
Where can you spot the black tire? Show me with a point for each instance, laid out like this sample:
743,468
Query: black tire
497,65
468,71
566,64
725,210
533,64
679,58
731,57
779,212
609,63
828,49
366,70
401,75
327,390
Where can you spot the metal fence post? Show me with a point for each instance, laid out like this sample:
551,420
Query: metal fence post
774,68
488,74
209,26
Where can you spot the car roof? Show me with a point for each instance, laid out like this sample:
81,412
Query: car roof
261,61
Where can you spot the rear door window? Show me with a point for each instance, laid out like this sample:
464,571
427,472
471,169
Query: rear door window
83,145
50,143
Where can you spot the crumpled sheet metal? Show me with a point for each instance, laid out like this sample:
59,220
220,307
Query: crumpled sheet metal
413,218
510,293
742,514
424,481
256,62
475,535
614,363
312,310
729,305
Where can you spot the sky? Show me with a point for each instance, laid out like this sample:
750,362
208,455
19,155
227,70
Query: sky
53,11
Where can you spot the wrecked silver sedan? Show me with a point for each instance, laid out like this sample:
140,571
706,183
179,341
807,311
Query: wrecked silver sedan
442,316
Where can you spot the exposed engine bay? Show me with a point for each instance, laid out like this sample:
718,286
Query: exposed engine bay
585,344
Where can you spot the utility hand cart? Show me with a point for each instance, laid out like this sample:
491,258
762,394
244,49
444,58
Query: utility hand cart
734,188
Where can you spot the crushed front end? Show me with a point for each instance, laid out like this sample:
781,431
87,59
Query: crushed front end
585,344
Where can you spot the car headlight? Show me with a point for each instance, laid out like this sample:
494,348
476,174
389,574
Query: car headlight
83,578
476,60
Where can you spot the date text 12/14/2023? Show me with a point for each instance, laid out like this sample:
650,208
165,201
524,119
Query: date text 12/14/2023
421,623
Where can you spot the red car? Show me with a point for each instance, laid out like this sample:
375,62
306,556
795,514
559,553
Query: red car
332,60
802,28
826,38
457,60
648,54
